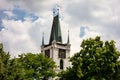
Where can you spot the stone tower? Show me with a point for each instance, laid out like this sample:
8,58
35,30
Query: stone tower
56,49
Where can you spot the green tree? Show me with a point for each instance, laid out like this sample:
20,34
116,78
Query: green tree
4,60
37,66
15,70
97,60
26,67
9,68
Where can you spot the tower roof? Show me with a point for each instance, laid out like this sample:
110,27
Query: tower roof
56,30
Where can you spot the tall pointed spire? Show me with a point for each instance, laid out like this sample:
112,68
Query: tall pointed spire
68,41
56,30
43,39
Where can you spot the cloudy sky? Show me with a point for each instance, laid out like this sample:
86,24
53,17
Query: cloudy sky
22,22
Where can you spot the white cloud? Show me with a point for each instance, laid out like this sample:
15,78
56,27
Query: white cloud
75,40
17,37
102,18
4,4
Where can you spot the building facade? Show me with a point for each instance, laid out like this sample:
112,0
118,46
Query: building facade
56,49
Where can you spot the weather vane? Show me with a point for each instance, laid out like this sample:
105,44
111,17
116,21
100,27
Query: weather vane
56,10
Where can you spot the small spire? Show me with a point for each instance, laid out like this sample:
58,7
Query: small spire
68,41
43,39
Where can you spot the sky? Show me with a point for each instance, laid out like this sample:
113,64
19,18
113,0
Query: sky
22,22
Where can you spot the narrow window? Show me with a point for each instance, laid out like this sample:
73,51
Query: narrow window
61,64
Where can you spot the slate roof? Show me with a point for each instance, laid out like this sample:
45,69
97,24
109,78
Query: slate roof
56,30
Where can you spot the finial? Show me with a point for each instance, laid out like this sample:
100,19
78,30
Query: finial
43,39
68,41
56,10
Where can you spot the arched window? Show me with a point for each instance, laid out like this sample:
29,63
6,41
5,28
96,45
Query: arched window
61,64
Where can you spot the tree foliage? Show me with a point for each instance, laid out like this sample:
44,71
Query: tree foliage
15,70
37,66
97,60
4,60
26,67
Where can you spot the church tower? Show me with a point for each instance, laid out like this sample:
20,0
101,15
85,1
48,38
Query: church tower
56,49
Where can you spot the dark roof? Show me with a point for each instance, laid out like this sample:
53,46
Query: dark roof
56,30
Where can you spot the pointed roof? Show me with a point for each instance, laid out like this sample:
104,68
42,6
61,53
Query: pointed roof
68,40
56,30
43,39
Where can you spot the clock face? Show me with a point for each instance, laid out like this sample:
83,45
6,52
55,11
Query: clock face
62,53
